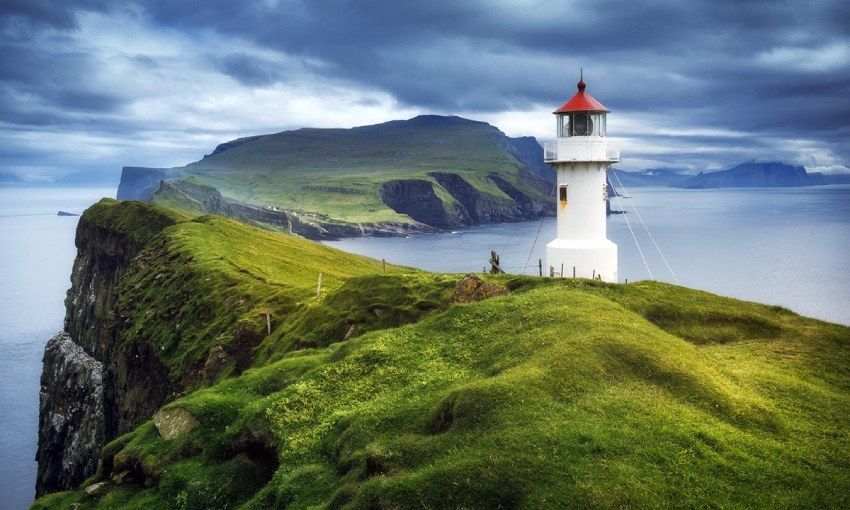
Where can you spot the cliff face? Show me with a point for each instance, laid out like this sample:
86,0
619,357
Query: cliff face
70,425
80,403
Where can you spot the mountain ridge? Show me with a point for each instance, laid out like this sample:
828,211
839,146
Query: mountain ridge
356,177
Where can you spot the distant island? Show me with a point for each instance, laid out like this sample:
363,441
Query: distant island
759,175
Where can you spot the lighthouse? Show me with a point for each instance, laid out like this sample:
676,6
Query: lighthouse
580,157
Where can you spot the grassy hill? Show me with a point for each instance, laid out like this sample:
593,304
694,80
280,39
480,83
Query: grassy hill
431,171
398,389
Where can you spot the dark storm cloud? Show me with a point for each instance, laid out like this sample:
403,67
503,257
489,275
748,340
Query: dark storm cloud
459,55
775,70
57,14
249,70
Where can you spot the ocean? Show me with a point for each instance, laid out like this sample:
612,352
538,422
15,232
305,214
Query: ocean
36,254
785,246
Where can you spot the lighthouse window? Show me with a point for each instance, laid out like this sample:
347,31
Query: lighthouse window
563,126
562,194
582,124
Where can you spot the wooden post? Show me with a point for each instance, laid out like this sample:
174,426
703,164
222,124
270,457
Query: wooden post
627,280
268,322
319,287
594,274
495,267
574,271
551,271
384,264
540,266
562,269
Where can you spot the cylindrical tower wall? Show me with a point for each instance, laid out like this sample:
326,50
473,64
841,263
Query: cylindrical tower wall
582,216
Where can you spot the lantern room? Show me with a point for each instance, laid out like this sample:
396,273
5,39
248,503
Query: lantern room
582,115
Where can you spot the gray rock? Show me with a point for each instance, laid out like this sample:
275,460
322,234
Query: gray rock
95,489
173,423
71,420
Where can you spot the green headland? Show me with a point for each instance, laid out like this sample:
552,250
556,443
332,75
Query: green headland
418,174
398,388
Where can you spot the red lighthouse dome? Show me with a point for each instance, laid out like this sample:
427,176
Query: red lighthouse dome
582,102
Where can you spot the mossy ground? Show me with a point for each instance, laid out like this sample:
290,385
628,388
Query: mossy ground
564,393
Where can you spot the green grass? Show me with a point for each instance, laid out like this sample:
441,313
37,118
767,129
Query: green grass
562,394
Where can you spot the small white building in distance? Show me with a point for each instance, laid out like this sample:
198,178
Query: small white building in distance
581,156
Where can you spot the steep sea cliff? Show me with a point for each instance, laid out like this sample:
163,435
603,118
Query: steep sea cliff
93,387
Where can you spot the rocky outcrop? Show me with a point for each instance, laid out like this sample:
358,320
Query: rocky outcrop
139,183
174,423
93,386
418,199
71,421
478,207
472,288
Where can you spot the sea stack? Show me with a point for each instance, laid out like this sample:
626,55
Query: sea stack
580,157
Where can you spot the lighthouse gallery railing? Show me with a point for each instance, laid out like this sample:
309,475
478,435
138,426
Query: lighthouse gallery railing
581,149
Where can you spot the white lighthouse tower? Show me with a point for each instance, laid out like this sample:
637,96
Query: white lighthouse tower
581,156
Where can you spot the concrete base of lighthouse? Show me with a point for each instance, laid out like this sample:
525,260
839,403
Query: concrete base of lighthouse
590,258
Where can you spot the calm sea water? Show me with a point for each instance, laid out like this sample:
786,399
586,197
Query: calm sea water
779,246
788,246
36,254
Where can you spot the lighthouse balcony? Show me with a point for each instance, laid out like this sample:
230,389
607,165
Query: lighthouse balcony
581,148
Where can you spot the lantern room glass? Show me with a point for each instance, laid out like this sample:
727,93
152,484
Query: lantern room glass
581,124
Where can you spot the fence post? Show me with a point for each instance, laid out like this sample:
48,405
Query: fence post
540,266
495,263
384,264
562,269
574,271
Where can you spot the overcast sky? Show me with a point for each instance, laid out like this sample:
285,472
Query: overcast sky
694,85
